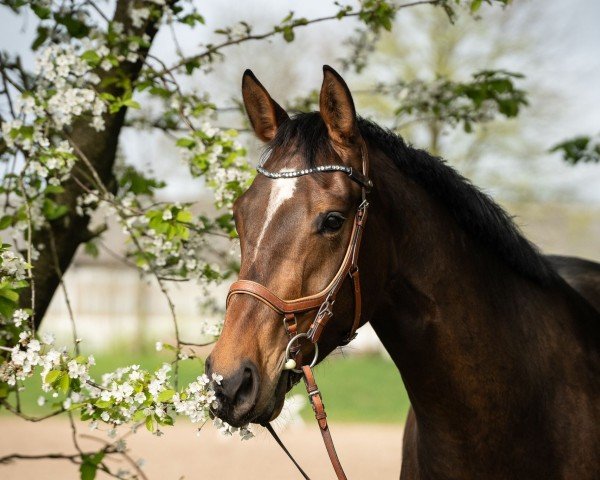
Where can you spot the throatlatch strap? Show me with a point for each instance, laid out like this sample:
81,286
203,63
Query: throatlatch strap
269,427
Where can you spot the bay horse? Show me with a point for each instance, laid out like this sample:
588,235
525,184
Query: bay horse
498,351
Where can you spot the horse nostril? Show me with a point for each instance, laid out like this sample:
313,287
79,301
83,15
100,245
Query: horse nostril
248,388
237,394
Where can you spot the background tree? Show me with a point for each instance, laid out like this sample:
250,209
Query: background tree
584,149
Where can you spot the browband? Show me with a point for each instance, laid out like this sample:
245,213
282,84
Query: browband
354,175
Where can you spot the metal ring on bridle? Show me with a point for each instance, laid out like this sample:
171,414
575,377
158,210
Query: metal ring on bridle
289,345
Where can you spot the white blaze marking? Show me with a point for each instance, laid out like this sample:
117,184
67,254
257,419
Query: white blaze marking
282,189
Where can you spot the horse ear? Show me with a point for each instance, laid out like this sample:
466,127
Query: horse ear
337,108
264,113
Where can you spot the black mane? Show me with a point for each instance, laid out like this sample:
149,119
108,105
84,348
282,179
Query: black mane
473,210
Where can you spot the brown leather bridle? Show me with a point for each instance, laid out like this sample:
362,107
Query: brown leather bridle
322,302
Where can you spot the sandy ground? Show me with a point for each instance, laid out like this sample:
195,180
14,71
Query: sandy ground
366,451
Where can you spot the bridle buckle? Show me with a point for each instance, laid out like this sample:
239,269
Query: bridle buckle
325,309
314,392
290,325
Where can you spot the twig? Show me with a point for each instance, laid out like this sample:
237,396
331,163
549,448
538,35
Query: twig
211,50
6,88
29,418
125,455
98,10
42,456
74,434
29,244
190,344
60,275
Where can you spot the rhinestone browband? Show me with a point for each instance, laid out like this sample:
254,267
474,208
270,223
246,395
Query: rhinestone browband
353,174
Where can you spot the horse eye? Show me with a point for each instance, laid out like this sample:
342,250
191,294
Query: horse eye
332,222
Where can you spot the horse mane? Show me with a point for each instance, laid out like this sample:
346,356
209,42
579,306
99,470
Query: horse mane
472,209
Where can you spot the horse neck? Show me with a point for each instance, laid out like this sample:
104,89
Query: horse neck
466,331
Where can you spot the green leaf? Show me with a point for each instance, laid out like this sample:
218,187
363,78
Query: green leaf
52,376
135,182
43,13
166,395
89,465
7,308
10,295
42,35
52,210
91,249
138,416
6,221
579,149
475,5
185,142
64,383
167,420
19,285
88,471
103,403
91,56
184,216
76,406
54,189
150,423
191,66
131,104
191,19
75,27
288,34
109,97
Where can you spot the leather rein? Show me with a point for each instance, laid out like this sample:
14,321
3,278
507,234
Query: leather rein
321,302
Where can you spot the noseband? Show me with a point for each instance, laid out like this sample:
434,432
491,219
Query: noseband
321,302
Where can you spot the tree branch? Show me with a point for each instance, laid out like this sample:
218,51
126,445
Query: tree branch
214,49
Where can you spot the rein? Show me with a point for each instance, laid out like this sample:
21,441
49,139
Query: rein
321,302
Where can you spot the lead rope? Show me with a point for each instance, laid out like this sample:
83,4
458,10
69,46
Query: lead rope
316,401
269,427
318,407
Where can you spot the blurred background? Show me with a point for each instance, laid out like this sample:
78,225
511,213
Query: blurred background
555,44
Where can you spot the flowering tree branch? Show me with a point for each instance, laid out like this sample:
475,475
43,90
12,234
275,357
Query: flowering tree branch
100,146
